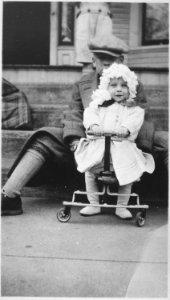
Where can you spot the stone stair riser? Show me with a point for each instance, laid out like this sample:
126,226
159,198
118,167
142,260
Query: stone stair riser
52,116
55,94
47,94
12,142
157,95
47,115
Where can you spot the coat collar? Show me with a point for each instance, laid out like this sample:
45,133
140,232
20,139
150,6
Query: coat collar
87,85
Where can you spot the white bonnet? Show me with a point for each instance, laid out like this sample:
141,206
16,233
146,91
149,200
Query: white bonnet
114,71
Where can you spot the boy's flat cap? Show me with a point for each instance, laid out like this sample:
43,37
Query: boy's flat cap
108,44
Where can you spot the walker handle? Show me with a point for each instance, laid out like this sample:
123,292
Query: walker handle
104,134
113,134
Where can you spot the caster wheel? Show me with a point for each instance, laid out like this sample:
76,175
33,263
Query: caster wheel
140,218
64,215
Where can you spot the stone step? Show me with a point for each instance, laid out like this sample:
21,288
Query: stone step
52,115
48,101
12,142
157,95
47,115
41,74
62,93
47,94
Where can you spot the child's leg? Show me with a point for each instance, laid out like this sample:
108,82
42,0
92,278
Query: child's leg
91,187
123,212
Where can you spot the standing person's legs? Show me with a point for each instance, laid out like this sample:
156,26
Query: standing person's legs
91,187
123,199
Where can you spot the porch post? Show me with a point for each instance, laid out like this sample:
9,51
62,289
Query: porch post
53,33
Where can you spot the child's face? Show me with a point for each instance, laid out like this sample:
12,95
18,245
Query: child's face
118,89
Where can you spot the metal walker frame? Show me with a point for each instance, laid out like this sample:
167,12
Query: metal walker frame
106,177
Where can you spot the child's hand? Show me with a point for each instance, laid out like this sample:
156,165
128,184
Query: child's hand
122,132
96,129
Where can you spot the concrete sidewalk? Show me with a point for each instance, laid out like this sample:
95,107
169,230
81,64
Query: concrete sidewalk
100,256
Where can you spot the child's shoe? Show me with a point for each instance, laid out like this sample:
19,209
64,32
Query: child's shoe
123,213
90,211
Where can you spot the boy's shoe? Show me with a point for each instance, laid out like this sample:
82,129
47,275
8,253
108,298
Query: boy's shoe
11,206
123,213
90,211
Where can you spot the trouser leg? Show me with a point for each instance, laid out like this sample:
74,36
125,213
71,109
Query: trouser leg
31,162
52,155
39,156
29,165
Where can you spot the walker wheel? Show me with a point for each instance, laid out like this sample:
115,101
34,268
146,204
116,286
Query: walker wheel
140,218
64,215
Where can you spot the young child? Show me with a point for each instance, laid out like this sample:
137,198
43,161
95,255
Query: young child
113,109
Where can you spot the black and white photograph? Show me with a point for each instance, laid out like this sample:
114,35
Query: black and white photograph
84,149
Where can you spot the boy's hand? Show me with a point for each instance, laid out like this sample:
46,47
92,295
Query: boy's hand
122,132
73,145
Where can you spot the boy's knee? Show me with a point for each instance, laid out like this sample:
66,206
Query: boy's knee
160,147
160,141
38,146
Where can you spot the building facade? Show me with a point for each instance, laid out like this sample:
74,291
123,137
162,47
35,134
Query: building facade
46,33
41,39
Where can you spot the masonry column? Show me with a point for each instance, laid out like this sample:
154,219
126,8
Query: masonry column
53,32
93,19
